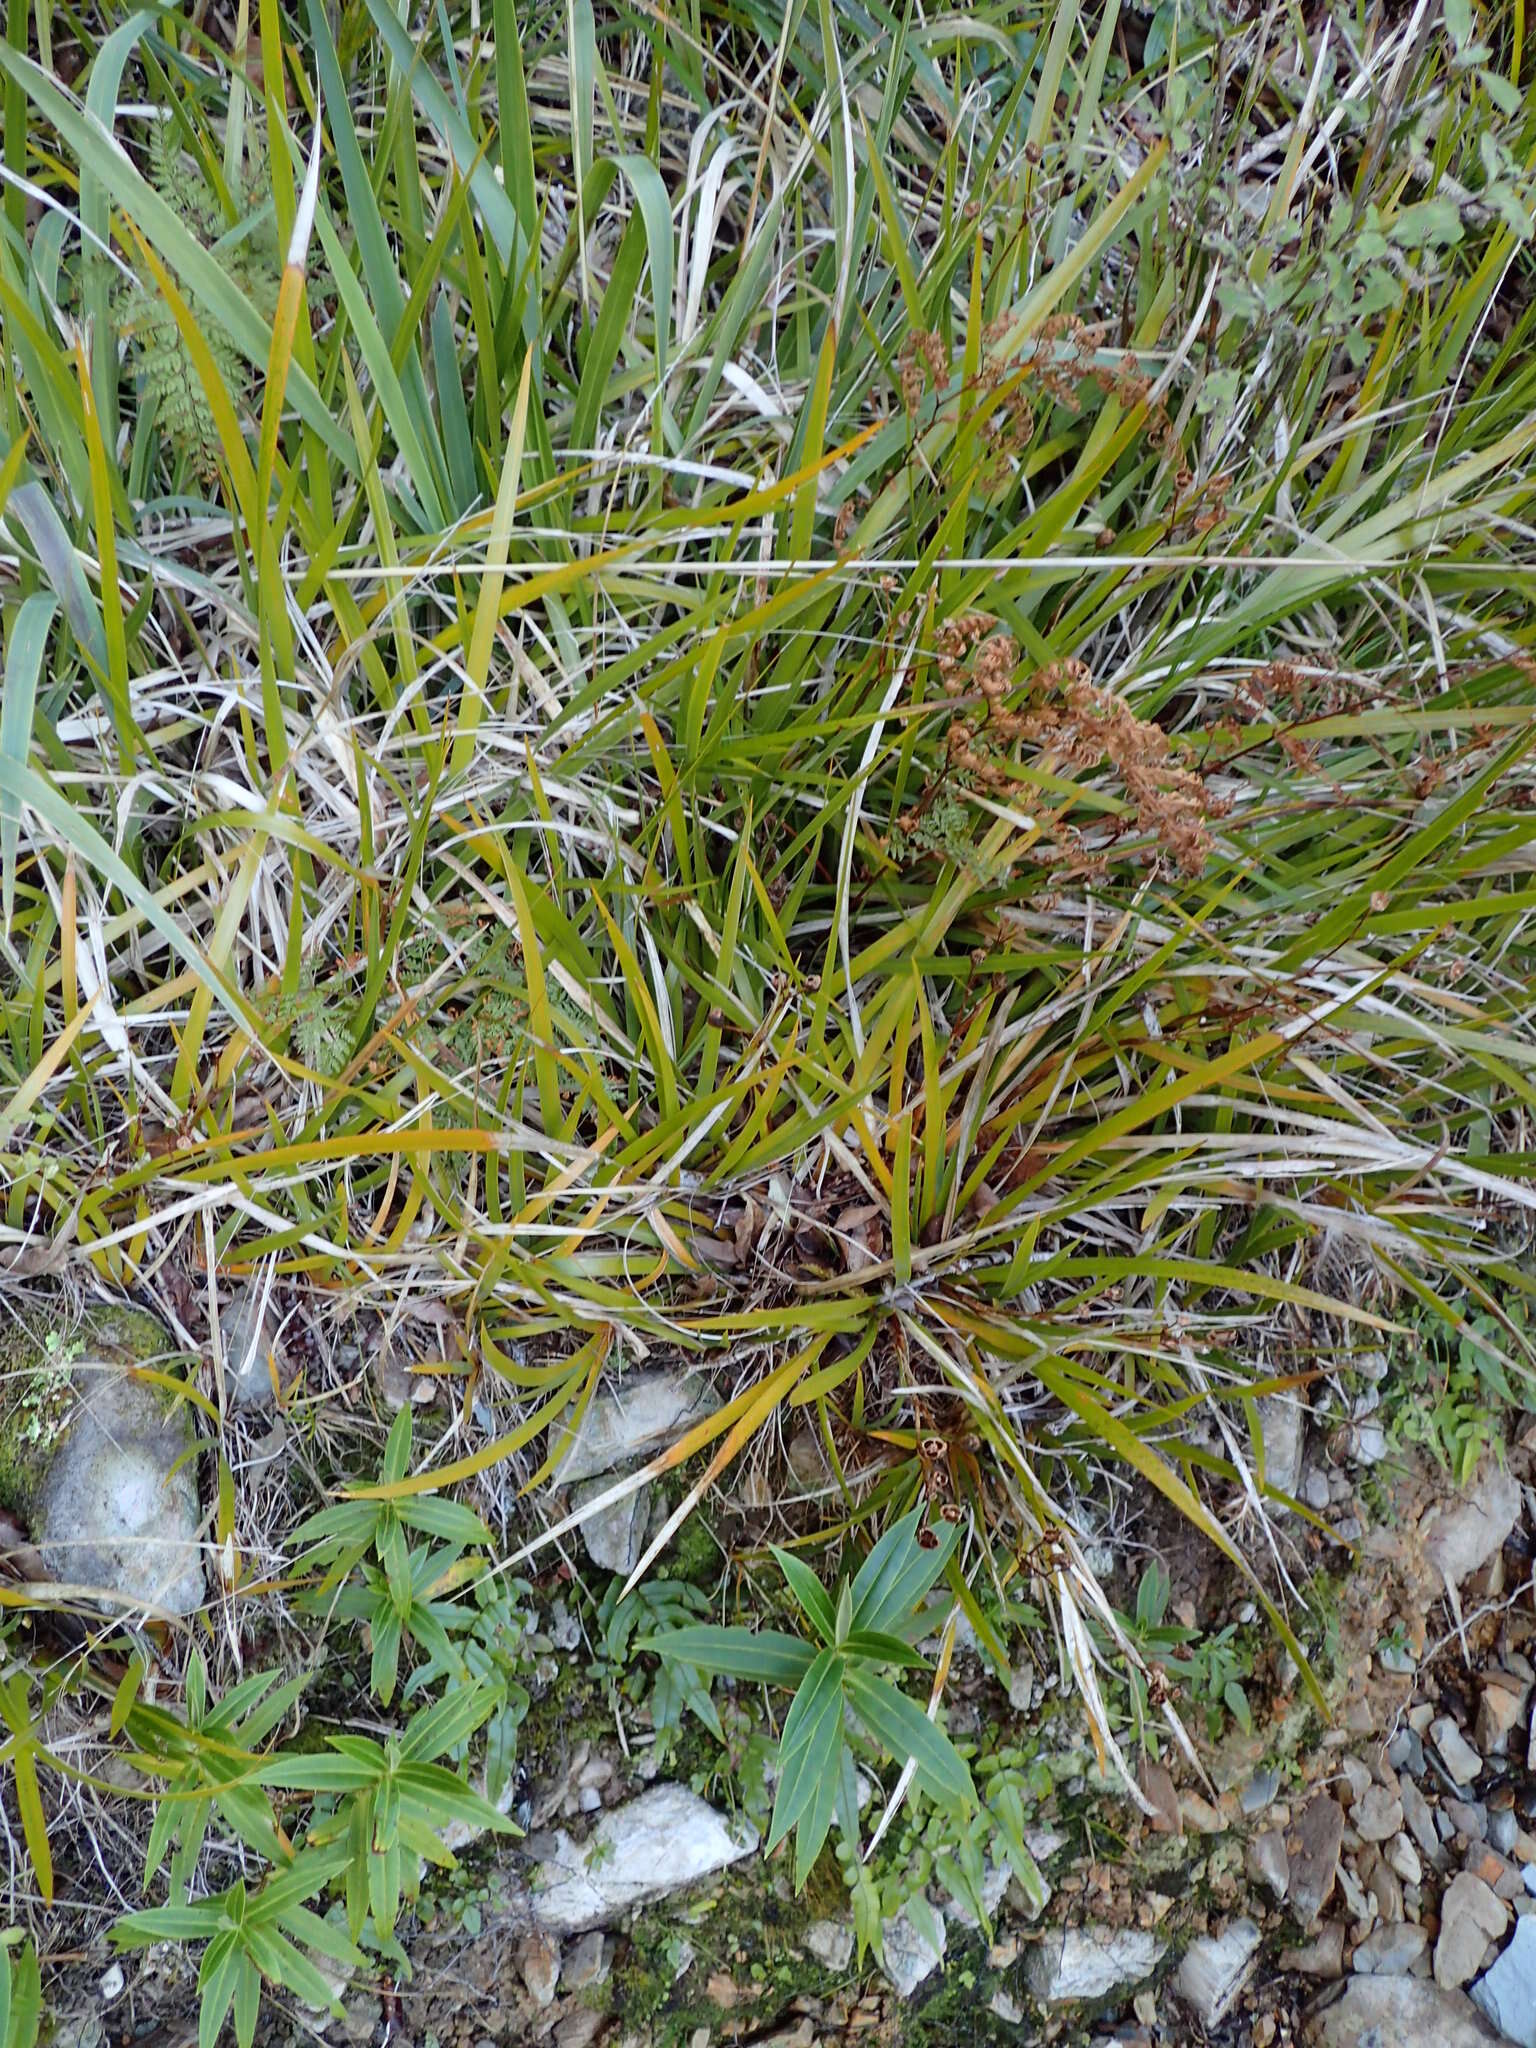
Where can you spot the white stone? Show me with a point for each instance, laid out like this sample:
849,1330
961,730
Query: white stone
653,1845
1507,1992
645,1412
614,1536
1215,1969
1090,1962
1466,1533
831,1943
909,1956
1404,1859
118,1508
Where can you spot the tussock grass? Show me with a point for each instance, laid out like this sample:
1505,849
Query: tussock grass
842,694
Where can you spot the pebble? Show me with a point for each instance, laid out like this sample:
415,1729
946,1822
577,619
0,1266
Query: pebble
1215,1968
1456,1753
1405,1752
1391,1951
1377,1816
1313,1849
1404,1859
910,1957
1259,1792
1419,1815
538,1961
586,1961
1469,1817
1090,1962
1498,1710
831,1943
1503,1830
1323,1956
1357,1776
1507,1992
1467,1533
1314,1490
1267,1862
1470,1917
1199,1816
1387,1890
655,1844
1502,1878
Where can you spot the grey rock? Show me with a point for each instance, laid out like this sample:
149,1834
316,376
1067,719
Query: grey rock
1507,1992
1456,1753
1391,1951
1090,1962
252,1341
1007,2009
910,1957
1368,1443
1503,1830
1404,1859
1357,1775
1313,1847
1283,1427
104,1478
1314,1489
587,1961
1259,1792
1420,1816
615,1535
1405,1752
1470,1917
1267,1863
1467,1532
1399,2012
1378,1816
1215,1968
643,1850
831,1943
645,1412
1469,1817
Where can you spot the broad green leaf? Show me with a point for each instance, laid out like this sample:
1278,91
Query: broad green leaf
764,1656
809,1592
810,1747
905,1732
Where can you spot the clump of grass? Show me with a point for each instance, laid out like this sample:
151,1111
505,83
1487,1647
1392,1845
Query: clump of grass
853,710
